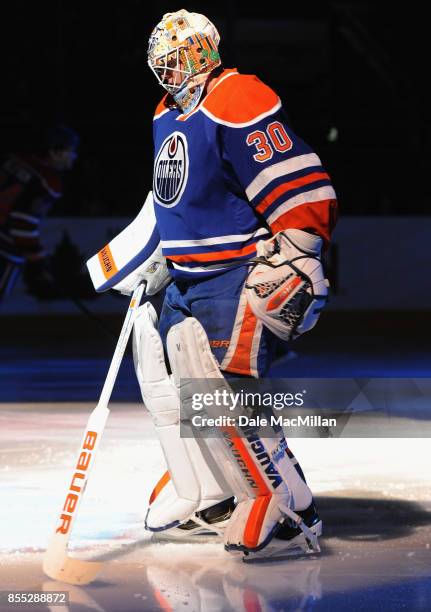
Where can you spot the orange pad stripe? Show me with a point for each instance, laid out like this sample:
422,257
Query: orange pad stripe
241,448
160,486
240,362
255,521
257,515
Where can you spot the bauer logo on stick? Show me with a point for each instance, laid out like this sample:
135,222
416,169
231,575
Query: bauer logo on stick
77,484
171,170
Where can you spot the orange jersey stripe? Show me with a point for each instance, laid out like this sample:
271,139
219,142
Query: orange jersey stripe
278,191
160,486
316,216
213,84
240,362
161,107
214,256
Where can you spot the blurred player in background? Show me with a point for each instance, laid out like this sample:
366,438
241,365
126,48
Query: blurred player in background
240,210
29,187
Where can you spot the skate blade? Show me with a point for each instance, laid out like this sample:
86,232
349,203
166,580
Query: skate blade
182,535
202,531
278,550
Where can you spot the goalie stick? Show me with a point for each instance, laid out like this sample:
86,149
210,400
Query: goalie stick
56,563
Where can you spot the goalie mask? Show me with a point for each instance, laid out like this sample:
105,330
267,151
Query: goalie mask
182,52
288,290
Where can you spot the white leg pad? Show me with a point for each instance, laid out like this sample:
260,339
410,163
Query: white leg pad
188,462
300,491
191,357
277,487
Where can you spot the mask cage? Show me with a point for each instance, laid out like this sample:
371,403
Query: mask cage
172,69
175,67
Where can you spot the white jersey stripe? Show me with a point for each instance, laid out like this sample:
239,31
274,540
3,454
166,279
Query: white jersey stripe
271,111
208,268
316,195
300,162
171,244
6,238
15,258
25,217
24,233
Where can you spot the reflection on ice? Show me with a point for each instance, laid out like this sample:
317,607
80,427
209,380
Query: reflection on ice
177,582
237,588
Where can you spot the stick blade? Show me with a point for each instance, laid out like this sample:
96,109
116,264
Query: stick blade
59,566
72,571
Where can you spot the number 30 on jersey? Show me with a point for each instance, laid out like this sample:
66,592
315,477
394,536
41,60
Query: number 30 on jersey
274,137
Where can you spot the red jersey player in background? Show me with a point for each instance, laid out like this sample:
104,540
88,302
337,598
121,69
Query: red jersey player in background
30,185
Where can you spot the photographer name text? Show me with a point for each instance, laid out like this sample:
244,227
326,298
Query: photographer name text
199,420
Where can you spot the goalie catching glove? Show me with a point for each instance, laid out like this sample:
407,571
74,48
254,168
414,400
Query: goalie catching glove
287,288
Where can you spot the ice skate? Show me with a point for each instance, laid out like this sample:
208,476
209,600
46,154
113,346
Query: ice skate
290,540
210,522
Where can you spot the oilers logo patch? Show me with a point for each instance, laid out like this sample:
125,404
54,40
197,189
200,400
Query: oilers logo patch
171,170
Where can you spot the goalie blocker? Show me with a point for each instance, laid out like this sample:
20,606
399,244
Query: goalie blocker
132,257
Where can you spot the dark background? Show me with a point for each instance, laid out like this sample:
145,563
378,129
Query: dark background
359,67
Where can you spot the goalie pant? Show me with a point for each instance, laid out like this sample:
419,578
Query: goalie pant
239,341
212,313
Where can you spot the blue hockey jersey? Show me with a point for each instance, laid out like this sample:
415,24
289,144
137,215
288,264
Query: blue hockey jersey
231,173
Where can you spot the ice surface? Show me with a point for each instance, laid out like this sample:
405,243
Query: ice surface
374,496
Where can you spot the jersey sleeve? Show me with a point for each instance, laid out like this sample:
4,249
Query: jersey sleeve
282,177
